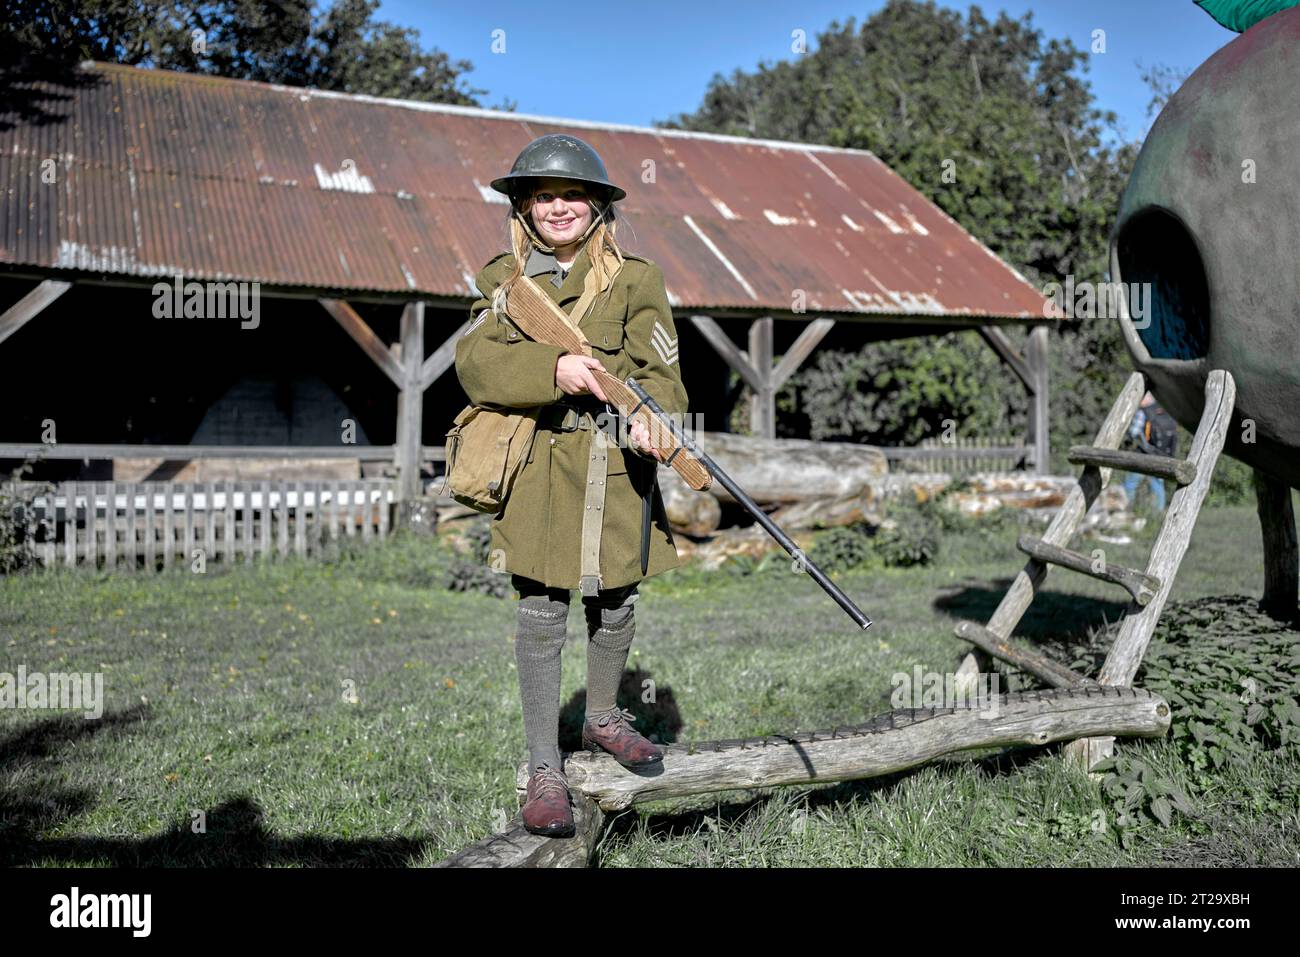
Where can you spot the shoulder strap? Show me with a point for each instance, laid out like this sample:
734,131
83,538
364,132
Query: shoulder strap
590,290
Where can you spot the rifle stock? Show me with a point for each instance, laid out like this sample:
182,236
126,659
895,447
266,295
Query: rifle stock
539,318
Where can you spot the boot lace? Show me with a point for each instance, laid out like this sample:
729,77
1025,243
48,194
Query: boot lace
547,779
619,718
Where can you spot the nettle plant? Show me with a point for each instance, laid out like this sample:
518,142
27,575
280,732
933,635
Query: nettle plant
1230,674
18,525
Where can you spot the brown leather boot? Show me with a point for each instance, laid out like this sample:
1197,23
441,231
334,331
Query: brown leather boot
612,732
547,809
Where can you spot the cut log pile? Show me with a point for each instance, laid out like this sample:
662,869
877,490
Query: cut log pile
806,485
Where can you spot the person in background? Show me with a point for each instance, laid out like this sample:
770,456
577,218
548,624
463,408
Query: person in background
1154,432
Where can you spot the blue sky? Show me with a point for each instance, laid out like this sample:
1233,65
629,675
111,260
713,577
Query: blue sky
648,62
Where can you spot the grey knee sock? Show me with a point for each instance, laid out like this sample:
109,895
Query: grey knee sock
607,650
539,640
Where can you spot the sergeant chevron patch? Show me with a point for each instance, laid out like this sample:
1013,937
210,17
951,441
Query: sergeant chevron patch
665,345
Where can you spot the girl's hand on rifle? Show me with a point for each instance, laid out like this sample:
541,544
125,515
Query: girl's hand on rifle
639,435
575,375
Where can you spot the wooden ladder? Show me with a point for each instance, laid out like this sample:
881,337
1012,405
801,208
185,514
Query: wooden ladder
1148,589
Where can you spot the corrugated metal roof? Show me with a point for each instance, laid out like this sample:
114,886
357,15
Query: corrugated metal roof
160,172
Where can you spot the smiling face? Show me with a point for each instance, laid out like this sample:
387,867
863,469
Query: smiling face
561,212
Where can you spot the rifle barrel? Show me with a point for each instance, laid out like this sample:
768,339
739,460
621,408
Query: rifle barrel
751,506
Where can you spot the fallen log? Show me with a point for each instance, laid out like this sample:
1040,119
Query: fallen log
892,742
689,512
516,847
827,512
790,470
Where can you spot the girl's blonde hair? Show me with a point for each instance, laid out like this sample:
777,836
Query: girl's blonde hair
601,246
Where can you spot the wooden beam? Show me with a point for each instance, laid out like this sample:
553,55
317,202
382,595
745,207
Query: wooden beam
410,403
1039,418
1162,466
762,404
443,358
1281,558
1140,586
1176,530
516,847
1026,659
996,338
812,334
365,337
891,742
729,351
1067,519
30,306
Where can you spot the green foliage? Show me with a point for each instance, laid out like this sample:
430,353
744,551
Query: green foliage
840,549
1231,483
18,526
339,47
1137,792
1231,675
899,392
994,123
910,537
474,573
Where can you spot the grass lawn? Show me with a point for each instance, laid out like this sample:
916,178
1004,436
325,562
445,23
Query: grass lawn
357,712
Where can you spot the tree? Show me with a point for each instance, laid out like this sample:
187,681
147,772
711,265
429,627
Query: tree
341,48
999,106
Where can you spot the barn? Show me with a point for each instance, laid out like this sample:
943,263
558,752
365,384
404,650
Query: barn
333,240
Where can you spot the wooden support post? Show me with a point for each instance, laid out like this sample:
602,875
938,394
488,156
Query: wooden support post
762,407
755,366
1039,421
410,403
1031,370
1281,556
408,369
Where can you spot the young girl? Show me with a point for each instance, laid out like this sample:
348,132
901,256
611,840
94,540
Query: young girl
584,511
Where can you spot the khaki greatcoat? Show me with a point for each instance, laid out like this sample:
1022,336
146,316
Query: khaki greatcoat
632,333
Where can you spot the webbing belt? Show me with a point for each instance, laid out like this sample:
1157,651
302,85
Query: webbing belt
593,513
564,418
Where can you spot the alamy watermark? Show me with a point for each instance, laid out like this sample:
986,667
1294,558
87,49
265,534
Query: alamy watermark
1098,300
661,434
934,689
55,690
208,300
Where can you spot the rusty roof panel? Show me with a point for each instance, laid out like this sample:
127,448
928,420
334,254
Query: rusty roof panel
159,173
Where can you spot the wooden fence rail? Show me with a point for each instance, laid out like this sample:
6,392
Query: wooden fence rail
154,525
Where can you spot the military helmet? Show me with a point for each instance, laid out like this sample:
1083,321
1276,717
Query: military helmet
559,155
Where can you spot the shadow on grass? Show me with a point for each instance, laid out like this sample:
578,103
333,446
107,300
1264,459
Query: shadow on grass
659,719
669,826
235,834
1052,616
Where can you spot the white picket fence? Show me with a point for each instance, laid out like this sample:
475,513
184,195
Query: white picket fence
153,525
